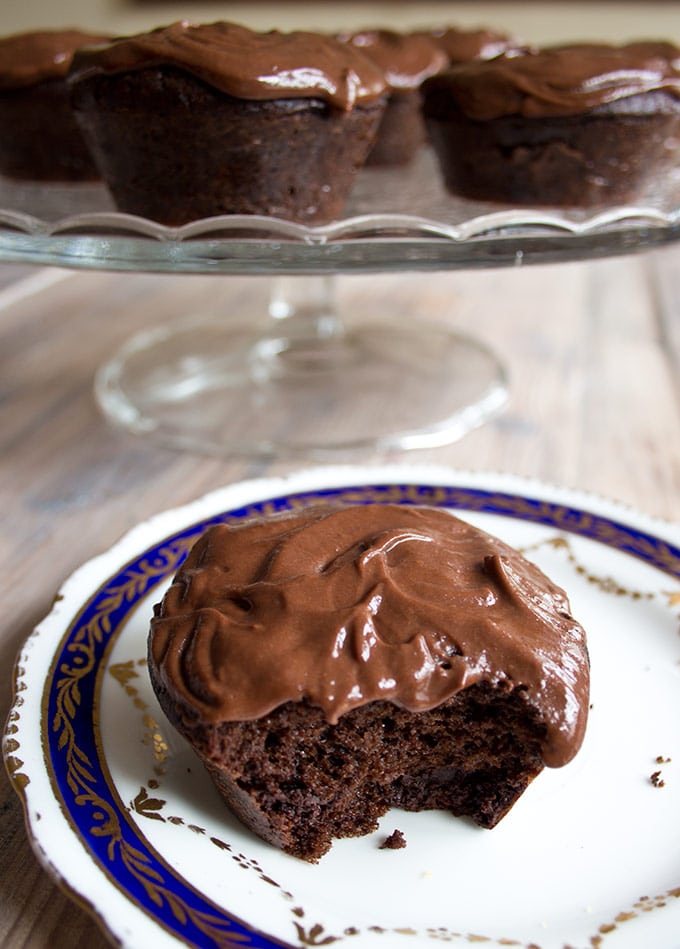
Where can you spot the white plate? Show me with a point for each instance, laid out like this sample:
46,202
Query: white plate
122,814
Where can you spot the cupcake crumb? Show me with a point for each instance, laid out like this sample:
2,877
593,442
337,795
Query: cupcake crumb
395,841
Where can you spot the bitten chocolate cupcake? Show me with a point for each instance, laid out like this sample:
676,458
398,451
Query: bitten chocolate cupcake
333,662
190,121
580,125
406,59
39,137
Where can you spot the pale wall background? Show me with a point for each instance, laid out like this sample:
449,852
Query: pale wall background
533,21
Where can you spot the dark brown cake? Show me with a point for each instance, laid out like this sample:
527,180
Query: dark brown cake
329,664
582,125
394,841
39,137
406,59
188,121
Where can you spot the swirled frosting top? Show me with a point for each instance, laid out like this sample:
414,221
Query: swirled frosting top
560,80
28,58
345,606
406,59
246,64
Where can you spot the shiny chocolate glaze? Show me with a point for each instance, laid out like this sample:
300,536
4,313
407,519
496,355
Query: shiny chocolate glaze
246,64
406,59
28,58
464,46
561,80
348,605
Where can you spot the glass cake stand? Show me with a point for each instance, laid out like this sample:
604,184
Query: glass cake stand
302,381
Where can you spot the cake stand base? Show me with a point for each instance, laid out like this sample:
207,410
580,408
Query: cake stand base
303,386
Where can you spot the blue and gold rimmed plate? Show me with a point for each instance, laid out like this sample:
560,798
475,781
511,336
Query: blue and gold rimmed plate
122,814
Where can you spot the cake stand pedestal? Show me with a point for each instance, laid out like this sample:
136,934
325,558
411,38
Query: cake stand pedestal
304,383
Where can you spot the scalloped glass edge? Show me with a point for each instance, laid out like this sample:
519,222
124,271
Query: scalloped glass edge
364,244
395,217
359,226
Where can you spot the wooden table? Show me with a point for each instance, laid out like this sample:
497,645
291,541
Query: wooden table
593,351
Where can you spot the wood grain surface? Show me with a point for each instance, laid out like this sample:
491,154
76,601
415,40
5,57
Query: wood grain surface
593,352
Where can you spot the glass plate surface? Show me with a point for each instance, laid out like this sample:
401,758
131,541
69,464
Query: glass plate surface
122,814
395,219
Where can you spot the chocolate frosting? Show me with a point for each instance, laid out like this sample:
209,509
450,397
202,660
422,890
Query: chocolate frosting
406,59
561,80
246,64
464,46
28,58
345,606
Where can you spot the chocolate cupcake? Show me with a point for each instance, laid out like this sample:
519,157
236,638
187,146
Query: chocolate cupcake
190,121
406,59
332,662
39,137
582,125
